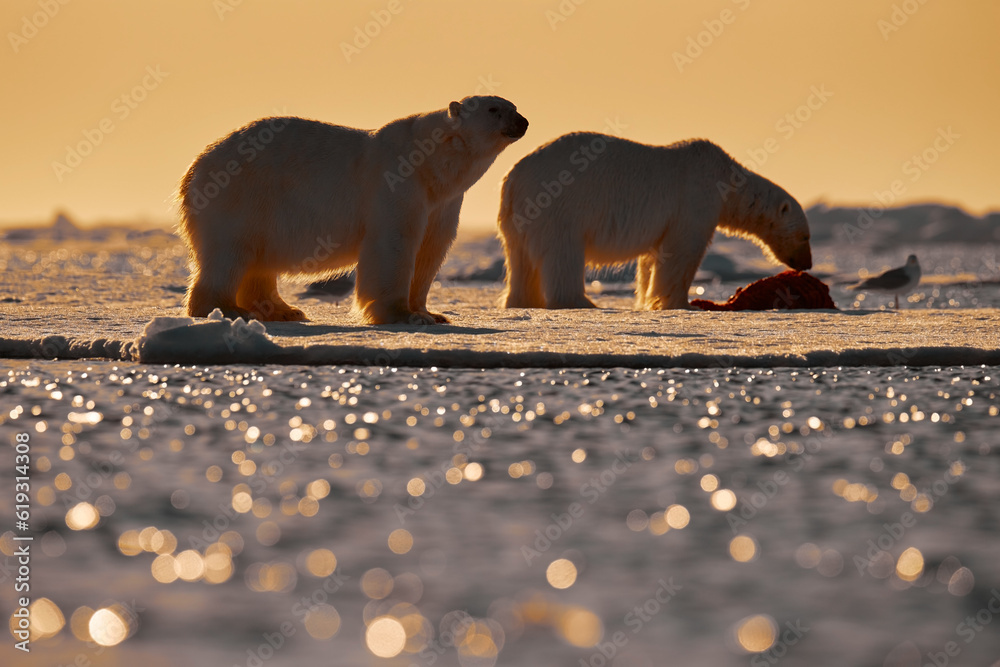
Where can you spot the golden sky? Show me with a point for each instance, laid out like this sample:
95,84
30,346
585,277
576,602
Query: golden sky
832,100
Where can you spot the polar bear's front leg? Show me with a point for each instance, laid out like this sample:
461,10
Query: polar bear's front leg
442,226
386,263
671,277
643,272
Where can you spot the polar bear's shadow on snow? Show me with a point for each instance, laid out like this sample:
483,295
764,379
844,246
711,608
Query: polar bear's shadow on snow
663,334
308,329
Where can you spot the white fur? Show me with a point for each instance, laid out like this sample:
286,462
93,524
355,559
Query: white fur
302,197
589,199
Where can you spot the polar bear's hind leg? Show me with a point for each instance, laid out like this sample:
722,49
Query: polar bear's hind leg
523,288
258,294
213,285
563,275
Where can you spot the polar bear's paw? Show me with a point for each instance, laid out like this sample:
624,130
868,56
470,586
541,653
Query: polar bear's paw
570,302
235,312
412,318
399,315
287,314
438,317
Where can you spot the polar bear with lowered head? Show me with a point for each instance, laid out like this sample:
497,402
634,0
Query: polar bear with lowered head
588,199
307,198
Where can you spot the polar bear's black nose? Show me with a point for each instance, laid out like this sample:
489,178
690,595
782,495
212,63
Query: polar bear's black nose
519,128
802,260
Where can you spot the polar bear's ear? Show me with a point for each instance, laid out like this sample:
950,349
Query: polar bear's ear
454,110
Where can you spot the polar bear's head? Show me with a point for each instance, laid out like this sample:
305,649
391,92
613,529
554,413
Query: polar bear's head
788,237
771,218
487,121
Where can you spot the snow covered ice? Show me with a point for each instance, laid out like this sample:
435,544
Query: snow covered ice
518,487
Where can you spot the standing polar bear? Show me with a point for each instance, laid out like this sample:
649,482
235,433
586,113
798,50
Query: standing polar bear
302,197
591,199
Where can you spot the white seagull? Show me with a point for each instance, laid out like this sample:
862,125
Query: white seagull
894,281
